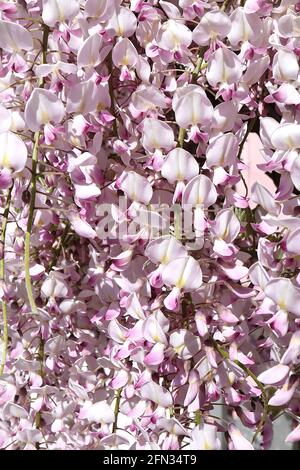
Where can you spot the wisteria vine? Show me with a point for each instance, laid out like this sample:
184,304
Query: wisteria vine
150,232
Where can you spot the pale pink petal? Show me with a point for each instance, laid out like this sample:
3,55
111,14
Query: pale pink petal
245,28
255,70
238,440
100,412
285,65
124,54
119,380
80,226
293,351
123,22
42,108
191,106
5,119
200,191
185,344
227,226
88,54
224,67
153,331
173,34
285,294
179,165
14,37
183,273
222,151
157,135
293,242
224,116
148,97
13,152
164,249
172,301
117,332
101,9
261,196
83,97
155,356
274,375
284,394
258,275
136,187
156,393
213,24
59,10
294,436
286,137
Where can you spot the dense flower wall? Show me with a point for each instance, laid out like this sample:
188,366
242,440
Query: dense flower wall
144,281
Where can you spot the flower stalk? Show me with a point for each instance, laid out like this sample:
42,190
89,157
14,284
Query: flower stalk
30,220
2,278
117,409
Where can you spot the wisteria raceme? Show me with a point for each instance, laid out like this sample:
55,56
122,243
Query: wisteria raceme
149,257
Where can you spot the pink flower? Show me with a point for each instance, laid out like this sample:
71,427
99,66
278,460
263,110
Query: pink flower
185,275
191,106
238,441
43,107
204,438
13,152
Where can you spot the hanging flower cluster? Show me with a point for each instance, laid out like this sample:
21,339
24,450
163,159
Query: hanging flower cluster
145,277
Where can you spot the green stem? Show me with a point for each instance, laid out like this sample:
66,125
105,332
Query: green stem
225,355
35,154
41,357
250,126
177,224
181,136
2,274
30,223
34,177
117,409
46,31
264,395
186,305
111,93
225,4
197,69
198,418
